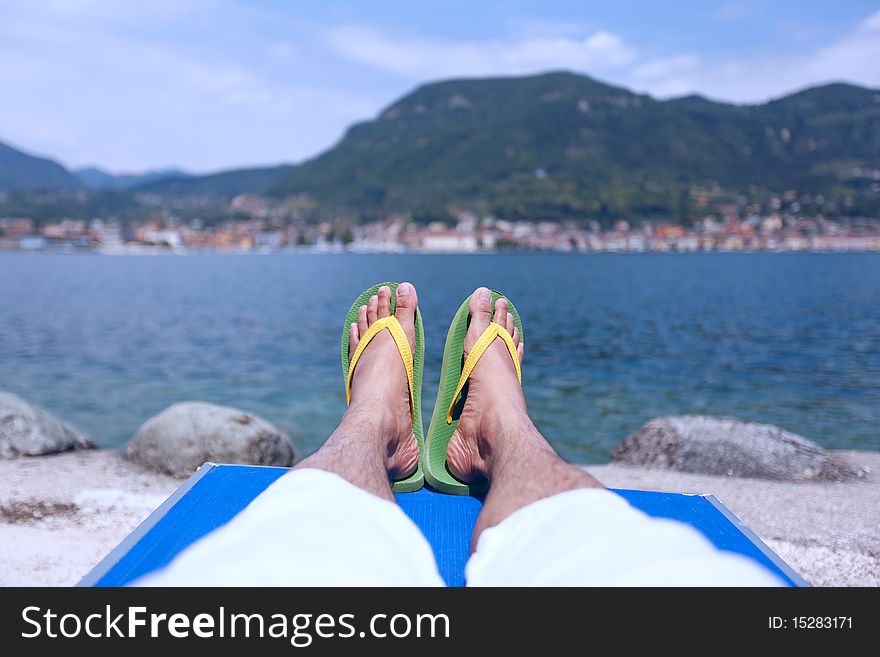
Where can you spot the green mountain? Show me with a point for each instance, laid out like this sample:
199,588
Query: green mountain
95,178
564,145
225,184
20,171
551,146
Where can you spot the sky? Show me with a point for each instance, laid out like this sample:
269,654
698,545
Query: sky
207,85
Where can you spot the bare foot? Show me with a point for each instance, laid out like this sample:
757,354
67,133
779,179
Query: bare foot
494,399
379,387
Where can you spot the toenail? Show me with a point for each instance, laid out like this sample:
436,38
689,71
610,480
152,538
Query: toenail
485,295
404,289
384,288
364,308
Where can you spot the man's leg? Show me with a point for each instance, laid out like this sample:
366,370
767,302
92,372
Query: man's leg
374,443
332,520
546,522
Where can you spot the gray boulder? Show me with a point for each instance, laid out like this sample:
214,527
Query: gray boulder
185,435
727,446
27,430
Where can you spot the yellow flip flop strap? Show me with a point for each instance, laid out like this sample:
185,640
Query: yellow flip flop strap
486,339
402,343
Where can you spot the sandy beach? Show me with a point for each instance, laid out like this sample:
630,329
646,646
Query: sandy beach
828,532
60,515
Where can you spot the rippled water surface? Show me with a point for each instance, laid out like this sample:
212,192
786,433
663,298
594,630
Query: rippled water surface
611,340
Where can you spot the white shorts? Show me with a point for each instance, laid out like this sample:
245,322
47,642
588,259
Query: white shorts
313,528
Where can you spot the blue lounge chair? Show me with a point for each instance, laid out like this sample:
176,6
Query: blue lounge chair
216,493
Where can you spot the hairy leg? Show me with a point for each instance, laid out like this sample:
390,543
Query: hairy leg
374,442
495,438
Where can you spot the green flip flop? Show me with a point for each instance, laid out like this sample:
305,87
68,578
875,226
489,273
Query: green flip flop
446,413
415,370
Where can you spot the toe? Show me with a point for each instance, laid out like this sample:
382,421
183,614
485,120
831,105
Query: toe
384,302
520,351
511,325
372,309
407,301
514,332
354,337
362,322
481,309
500,316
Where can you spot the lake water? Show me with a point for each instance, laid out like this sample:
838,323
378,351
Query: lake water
611,340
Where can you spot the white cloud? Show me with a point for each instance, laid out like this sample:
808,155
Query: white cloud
211,84
660,68
91,82
856,57
281,50
425,59
852,58
540,27
737,11
668,76
871,23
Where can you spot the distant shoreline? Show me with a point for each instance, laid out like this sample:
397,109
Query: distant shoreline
323,252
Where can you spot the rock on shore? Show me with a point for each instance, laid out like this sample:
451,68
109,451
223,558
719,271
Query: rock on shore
726,446
27,430
184,436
